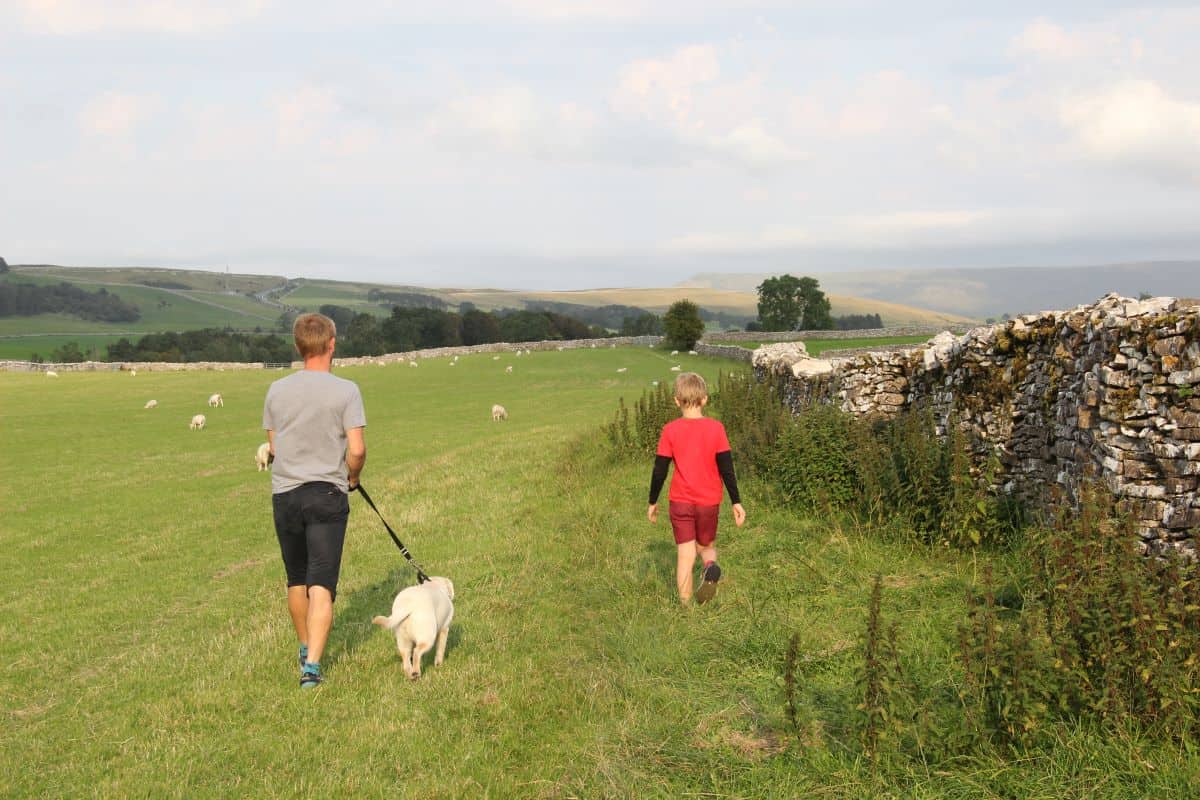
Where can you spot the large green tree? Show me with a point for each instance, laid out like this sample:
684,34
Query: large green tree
787,303
682,325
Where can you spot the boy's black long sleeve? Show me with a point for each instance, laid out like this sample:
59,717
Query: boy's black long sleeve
728,477
658,477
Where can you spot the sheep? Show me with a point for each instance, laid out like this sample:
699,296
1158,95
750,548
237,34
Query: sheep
151,404
654,383
452,363
508,369
216,400
675,368
197,423
499,413
133,373
518,354
456,358
413,364
692,353
262,458
674,353
613,346
622,369
495,358
51,373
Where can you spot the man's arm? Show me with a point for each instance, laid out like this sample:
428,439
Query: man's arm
356,454
271,441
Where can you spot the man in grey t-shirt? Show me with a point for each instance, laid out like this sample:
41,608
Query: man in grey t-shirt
314,423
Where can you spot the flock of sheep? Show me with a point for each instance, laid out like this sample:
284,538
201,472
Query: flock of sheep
262,456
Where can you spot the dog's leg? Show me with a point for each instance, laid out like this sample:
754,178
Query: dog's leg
418,653
404,646
440,653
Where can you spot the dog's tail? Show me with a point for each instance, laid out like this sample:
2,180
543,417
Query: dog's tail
393,622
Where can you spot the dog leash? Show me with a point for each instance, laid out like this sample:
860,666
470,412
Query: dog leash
421,576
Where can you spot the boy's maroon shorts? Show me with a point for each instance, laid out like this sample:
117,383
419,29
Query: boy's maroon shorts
691,522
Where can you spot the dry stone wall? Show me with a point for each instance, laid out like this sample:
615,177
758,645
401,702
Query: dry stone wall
390,358
1108,391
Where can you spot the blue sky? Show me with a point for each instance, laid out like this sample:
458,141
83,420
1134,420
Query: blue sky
532,143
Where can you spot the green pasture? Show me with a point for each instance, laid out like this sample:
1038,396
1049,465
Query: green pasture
161,310
146,649
19,348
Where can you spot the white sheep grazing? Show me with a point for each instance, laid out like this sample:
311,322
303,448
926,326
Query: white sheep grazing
499,413
622,369
51,373
675,368
518,354
456,358
412,363
508,369
151,404
263,457
133,373
613,346
692,353
495,358
216,400
197,423
528,352
452,363
654,383
674,352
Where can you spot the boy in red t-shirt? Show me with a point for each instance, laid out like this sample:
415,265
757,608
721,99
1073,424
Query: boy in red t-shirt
700,450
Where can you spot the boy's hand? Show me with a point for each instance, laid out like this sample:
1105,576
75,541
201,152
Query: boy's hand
739,515
652,513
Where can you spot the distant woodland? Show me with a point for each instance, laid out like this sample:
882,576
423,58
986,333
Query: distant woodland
26,299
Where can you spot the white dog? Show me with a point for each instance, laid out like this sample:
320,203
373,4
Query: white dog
421,614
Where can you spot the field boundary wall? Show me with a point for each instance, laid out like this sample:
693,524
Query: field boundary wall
1103,392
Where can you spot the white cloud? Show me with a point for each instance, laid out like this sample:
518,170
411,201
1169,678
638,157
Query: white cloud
663,89
115,114
78,17
1137,124
1044,39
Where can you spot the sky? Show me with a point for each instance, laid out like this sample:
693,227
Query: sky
589,143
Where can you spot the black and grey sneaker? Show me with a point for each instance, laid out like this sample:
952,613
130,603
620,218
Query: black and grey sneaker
708,589
310,677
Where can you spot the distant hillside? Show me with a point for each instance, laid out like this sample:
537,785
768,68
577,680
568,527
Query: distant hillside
739,304
980,293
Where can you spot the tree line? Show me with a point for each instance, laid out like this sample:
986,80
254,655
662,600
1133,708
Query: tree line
27,299
407,328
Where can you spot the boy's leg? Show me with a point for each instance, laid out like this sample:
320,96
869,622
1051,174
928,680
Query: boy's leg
706,537
683,570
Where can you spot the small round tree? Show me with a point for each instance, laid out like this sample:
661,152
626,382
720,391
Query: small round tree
682,325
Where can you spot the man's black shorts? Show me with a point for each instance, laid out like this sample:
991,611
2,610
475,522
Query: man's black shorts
310,522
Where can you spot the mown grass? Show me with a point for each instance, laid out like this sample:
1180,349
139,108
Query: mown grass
147,651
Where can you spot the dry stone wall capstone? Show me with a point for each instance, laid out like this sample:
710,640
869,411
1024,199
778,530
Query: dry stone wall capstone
1108,391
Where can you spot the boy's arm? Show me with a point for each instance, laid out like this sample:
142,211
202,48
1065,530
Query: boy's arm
657,478
729,478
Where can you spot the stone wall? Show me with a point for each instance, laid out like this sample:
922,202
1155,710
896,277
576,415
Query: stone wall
390,358
743,354
866,333
1108,391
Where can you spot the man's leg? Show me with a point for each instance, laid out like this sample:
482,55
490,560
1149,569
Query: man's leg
319,621
297,597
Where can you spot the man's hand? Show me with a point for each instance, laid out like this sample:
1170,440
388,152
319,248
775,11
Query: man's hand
652,513
739,515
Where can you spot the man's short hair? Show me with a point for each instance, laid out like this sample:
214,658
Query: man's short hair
312,333
690,389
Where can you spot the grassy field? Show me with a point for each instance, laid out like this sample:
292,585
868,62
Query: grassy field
19,348
147,652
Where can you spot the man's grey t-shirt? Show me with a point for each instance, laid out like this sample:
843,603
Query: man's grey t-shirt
310,412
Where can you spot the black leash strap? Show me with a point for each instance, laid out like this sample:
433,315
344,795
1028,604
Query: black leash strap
421,576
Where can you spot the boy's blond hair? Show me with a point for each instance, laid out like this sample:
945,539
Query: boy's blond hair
312,333
690,389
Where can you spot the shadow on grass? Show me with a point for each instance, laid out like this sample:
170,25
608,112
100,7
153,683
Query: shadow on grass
352,624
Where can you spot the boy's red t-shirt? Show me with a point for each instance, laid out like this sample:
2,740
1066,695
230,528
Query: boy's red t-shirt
693,444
